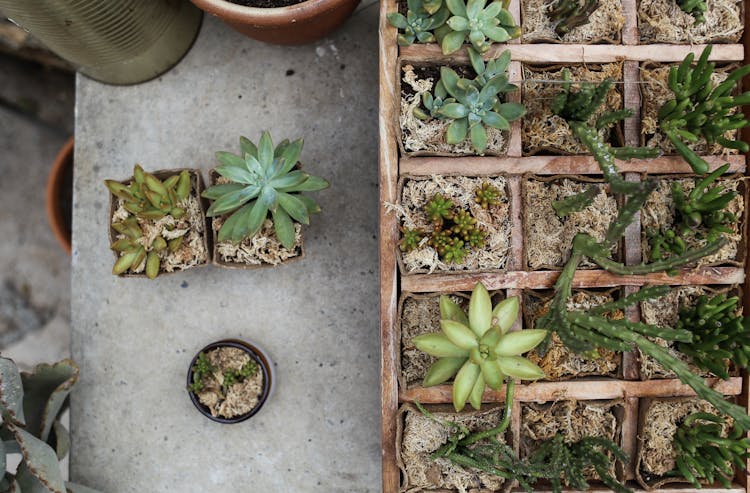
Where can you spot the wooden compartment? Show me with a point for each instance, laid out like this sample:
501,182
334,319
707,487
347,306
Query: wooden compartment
516,278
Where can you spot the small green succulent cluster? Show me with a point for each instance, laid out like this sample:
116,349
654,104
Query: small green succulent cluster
479,349
263,181
566,15
471,105
232,377
32,405
702,110
202,368
421,19
720,334
454,230
696,8
147,198
453,22
703,452
700,213
487,195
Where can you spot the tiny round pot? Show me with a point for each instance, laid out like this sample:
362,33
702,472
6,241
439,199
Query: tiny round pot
297,24
265,365
59,195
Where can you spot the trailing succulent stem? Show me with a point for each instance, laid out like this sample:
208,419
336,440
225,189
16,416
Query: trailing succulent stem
701,109
263,182
477,348
566,15
575,203
704,452
720,334
696,8
559,463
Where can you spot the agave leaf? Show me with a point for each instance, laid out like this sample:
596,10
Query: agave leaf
247,147
475,398
230,160
40,466
312,184
280,148
232,200
237,175
284,227
442,370
459,334
480,310
45,392
438,345
521,368
464,384
294,207
519,342
217,191
268,197
289,180
225,232
449,310
290,157
505,314
265,151
312,206
250,221
492,374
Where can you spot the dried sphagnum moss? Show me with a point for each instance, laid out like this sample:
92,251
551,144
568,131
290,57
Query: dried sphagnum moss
655,92
460,189
422,436
548,237
662,21
604,26
558,362
541,130
428,137
241,397
192,250
659,211
656,454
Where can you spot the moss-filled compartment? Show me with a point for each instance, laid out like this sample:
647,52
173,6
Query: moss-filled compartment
461,190
574,420
655,92
662,21
558,362
657,423
665,312
542,132
604,26
419,436
427,137
659,213
547,236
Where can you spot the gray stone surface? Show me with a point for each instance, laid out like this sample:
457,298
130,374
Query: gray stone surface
134,427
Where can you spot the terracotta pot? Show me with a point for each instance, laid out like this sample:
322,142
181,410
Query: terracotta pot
59,195
294,25
264,365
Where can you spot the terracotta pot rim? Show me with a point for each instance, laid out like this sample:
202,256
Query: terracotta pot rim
52,194
270,15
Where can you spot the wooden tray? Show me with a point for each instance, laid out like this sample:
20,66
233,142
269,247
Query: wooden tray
514,279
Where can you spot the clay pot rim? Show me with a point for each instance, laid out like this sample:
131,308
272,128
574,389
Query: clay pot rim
52,194
262,16
264,363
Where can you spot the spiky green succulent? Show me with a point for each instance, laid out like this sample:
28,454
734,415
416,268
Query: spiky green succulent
479,23
479,349
148,197
463,223
720,334
410,238
703,110
32,405
422,17
487,195
566,15
477,105
439,209
696,8
263,182
575,203
704,452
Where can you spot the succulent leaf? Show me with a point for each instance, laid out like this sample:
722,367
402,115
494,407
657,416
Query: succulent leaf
459,334
284,227
519,342
442,370
464,383
44,393
449,310
438,345
505,313
40,461
475,398
11,392
521,368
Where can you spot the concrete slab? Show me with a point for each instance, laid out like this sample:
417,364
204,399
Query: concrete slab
134,428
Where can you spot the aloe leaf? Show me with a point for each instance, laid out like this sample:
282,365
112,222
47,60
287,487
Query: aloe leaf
40,465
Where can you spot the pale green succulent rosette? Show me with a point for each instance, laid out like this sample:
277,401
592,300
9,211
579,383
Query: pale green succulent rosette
478,349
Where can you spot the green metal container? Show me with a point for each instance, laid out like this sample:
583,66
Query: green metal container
113,41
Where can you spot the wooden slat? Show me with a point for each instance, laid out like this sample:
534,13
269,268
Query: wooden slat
388,157
630,35
554,165
595,389
430,283
516,223
629,434
575,53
